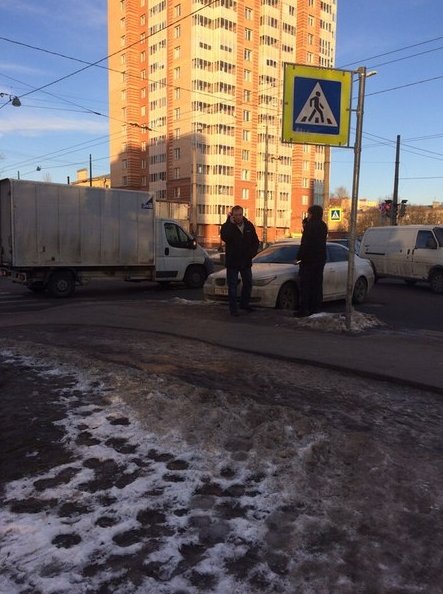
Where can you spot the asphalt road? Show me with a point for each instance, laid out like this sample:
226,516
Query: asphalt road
398,305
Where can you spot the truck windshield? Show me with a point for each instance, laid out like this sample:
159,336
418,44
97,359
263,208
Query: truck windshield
439,235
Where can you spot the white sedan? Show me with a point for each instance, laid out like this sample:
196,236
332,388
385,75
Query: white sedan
275,281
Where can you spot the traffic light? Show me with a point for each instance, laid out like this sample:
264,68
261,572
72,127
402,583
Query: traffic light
385,208
402,209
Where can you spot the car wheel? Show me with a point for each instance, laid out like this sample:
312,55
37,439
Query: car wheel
195,277
360,290
287,297
436,281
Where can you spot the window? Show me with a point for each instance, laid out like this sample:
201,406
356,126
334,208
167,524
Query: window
177,113
176,154
177,93
247,96
175,236
245,155
247,75
177,31
246,135
176,172
337,253
177,73
177,52
248,34
245,193
177,133
246,115
178,10
245,174
425,240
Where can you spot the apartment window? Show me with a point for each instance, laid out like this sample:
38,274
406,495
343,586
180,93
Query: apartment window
142,56
177,52
245,155
245,193
247,75
246,135
177,133
245,174
122,5
248,55
122,23
124,163
246,115
177,113
123,95
310,39
178,10
305,200
310,20
177,93
176,172
177,192
248,34
143,93
177,73
247,96
176,154
309,58
292,10
248,14
143,74
143,20
123,41
177,31
143,110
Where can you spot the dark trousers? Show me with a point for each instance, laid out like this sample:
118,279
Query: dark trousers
232,279
311,288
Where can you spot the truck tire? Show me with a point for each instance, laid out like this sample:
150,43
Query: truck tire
436,281
61,284
287,297
195,277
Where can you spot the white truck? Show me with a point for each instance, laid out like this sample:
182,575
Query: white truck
54,237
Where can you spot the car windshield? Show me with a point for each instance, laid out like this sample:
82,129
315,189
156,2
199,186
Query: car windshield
439,235
278,254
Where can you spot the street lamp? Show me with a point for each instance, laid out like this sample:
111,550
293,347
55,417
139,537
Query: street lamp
13,99
362,76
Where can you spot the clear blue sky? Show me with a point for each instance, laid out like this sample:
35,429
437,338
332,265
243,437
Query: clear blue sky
55,131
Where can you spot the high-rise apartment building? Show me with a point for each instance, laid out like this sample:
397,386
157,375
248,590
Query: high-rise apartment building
195,94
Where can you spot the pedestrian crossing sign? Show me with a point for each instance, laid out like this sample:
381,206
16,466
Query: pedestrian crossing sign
335,214
316,105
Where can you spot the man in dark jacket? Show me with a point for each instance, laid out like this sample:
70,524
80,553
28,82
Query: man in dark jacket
242,244
312,256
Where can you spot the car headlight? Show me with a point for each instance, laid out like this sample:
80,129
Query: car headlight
262,281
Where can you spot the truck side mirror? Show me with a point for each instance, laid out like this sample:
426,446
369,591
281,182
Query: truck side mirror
192,244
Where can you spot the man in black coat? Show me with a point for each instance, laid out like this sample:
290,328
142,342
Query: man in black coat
312,256
242,244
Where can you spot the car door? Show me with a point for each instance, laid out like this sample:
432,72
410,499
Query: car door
424,255
174,251
335,273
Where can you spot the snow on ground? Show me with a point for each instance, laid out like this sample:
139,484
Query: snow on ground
194,469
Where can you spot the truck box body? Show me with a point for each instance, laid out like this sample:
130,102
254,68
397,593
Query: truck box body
45,224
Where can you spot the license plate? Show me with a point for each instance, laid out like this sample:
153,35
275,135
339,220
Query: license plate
221,290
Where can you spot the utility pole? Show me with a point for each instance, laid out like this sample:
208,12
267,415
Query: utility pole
90,170
394,208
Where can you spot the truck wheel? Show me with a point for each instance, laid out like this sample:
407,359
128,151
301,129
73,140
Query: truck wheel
436,281
360,290
61,284
195,277
287,297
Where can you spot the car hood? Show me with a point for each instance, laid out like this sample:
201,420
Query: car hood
261,270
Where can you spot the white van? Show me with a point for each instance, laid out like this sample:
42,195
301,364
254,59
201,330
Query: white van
411,252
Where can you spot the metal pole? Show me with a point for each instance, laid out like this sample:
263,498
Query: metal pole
354,201
394,206
265,197
90,170
193,220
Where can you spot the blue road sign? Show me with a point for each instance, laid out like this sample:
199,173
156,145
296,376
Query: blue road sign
316,105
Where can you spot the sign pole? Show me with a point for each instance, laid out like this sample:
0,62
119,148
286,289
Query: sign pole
354,200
